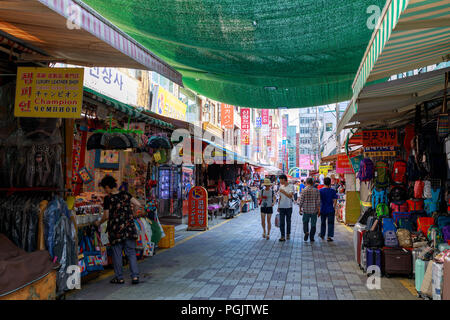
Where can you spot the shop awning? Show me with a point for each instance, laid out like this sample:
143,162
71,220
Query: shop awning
273,170
128,110
68,31
410,34
393,103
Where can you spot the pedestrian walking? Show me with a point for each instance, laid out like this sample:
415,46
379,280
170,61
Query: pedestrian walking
267,202
121,229
328,200
285,207
309,203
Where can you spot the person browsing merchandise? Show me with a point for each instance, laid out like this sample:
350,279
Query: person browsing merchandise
285,207
309,203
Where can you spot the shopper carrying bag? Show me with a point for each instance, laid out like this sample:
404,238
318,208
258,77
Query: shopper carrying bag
267,202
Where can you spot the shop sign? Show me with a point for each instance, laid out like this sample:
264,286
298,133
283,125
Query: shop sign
380,138
270,123
166,104
306,162
49,92
343,164
227,116
258,122
380,152
356,162
265,116
324,169
111,82
245,126
198,209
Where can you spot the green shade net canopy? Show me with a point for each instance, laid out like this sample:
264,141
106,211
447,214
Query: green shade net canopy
253,53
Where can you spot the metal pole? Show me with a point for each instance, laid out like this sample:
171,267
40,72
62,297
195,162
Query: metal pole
338,137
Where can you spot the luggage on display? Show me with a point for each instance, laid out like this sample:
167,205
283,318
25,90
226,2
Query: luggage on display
399,206
390,239
437,280
373,258
415,255
415,204
399,172
379,196
426,289
424,223
381,174
382,210
358,230
400,215
398,194
446,280
363,258
430,206
418,189
366,170
427,190
446,233
420,267
404,238
388,225
405,224
397,261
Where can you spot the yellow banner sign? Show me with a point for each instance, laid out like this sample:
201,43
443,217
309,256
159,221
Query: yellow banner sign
166,104
324,169
49,92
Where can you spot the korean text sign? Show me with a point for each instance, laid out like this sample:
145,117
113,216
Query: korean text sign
343,164
227,115
380,138
49,92
166,104
245,126
198,209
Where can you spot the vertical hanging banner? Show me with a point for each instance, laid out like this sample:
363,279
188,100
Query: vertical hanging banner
49,92
245,126
227,116
265,116
284,125
198,209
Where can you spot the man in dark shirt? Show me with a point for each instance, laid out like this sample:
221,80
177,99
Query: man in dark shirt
328,199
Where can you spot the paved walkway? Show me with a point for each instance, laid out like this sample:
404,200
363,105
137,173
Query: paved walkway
233,261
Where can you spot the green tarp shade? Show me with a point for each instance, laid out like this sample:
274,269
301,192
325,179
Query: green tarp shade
253,53
127,110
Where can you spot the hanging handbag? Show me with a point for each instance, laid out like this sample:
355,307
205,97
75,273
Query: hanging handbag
92,257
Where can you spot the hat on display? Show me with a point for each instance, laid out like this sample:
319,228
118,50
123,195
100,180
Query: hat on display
94,141
132,140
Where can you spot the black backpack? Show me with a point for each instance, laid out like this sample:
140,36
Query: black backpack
370,212
373,239
398,194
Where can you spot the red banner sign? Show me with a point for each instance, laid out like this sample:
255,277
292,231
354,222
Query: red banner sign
227,116
265,116
343,164
245,126
198,209
380,138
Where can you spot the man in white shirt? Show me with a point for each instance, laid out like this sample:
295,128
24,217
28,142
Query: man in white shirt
285,207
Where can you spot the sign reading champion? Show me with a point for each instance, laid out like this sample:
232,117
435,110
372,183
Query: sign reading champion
49,92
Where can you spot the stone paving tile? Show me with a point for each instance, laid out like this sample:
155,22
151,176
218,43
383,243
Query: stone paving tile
232,261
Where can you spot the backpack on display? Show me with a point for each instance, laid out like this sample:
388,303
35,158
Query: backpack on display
446,233
404,238
427,190
430,206
379,196
442,221
363,219
399,172
435,235
399,206
423,224
381,174
366,170
398,194
390,239
388,225
415,204
412,169
404,223
400,215
382,210
418,189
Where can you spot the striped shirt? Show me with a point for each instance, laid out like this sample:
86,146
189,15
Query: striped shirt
309,200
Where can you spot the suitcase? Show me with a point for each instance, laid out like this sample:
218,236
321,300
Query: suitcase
373,258
363,264
415,255
357,240
397,261
437,279
426,289
420,268
446,280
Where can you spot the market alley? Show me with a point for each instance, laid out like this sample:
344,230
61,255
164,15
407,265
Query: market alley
233,261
